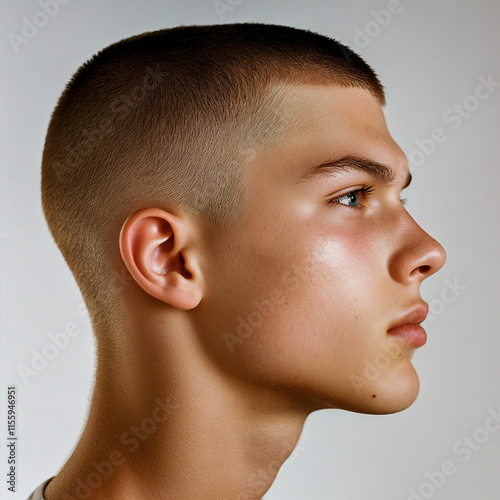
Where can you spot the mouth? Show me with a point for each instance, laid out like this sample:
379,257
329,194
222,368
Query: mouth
408,329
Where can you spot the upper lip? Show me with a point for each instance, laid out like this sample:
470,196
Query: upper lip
414,316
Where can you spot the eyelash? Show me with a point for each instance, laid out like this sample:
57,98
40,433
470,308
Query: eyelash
366,192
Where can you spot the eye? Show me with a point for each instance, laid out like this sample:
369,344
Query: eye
353,198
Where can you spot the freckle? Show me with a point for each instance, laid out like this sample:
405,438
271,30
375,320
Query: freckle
374,395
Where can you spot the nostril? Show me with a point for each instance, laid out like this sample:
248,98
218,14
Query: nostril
424,269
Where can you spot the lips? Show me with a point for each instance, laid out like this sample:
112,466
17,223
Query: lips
413,317
408,328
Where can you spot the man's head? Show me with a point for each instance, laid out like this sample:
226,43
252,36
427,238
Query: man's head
174,182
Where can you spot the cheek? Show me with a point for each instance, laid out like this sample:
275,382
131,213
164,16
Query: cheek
348,272
302,297
248,288
317,303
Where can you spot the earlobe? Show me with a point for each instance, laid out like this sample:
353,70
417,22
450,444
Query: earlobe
153,245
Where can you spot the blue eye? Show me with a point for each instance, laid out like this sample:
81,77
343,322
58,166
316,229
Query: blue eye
351,198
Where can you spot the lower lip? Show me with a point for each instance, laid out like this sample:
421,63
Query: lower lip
414,335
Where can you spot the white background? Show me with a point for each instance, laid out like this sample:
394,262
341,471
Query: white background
429,56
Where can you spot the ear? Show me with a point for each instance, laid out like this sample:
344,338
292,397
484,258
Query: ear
155,247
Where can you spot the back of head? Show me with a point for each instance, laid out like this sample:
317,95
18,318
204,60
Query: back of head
164,119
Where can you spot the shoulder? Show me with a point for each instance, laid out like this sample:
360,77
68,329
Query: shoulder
38,492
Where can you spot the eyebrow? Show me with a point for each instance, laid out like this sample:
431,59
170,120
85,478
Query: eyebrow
379,171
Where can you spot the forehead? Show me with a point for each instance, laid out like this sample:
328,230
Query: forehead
326,122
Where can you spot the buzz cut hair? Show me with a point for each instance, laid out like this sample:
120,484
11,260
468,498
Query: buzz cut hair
167,119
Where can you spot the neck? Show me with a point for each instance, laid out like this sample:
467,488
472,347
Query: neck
174,426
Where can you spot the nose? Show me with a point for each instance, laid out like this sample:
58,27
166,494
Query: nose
417,256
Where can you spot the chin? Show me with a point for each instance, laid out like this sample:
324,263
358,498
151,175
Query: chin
391,392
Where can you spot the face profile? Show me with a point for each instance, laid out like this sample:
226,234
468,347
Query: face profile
254,208
358,259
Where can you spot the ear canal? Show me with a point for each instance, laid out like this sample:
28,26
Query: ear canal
185,272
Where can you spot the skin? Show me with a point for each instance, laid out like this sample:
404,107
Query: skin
335,279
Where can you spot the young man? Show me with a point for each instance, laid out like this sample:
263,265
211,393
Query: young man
228,199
